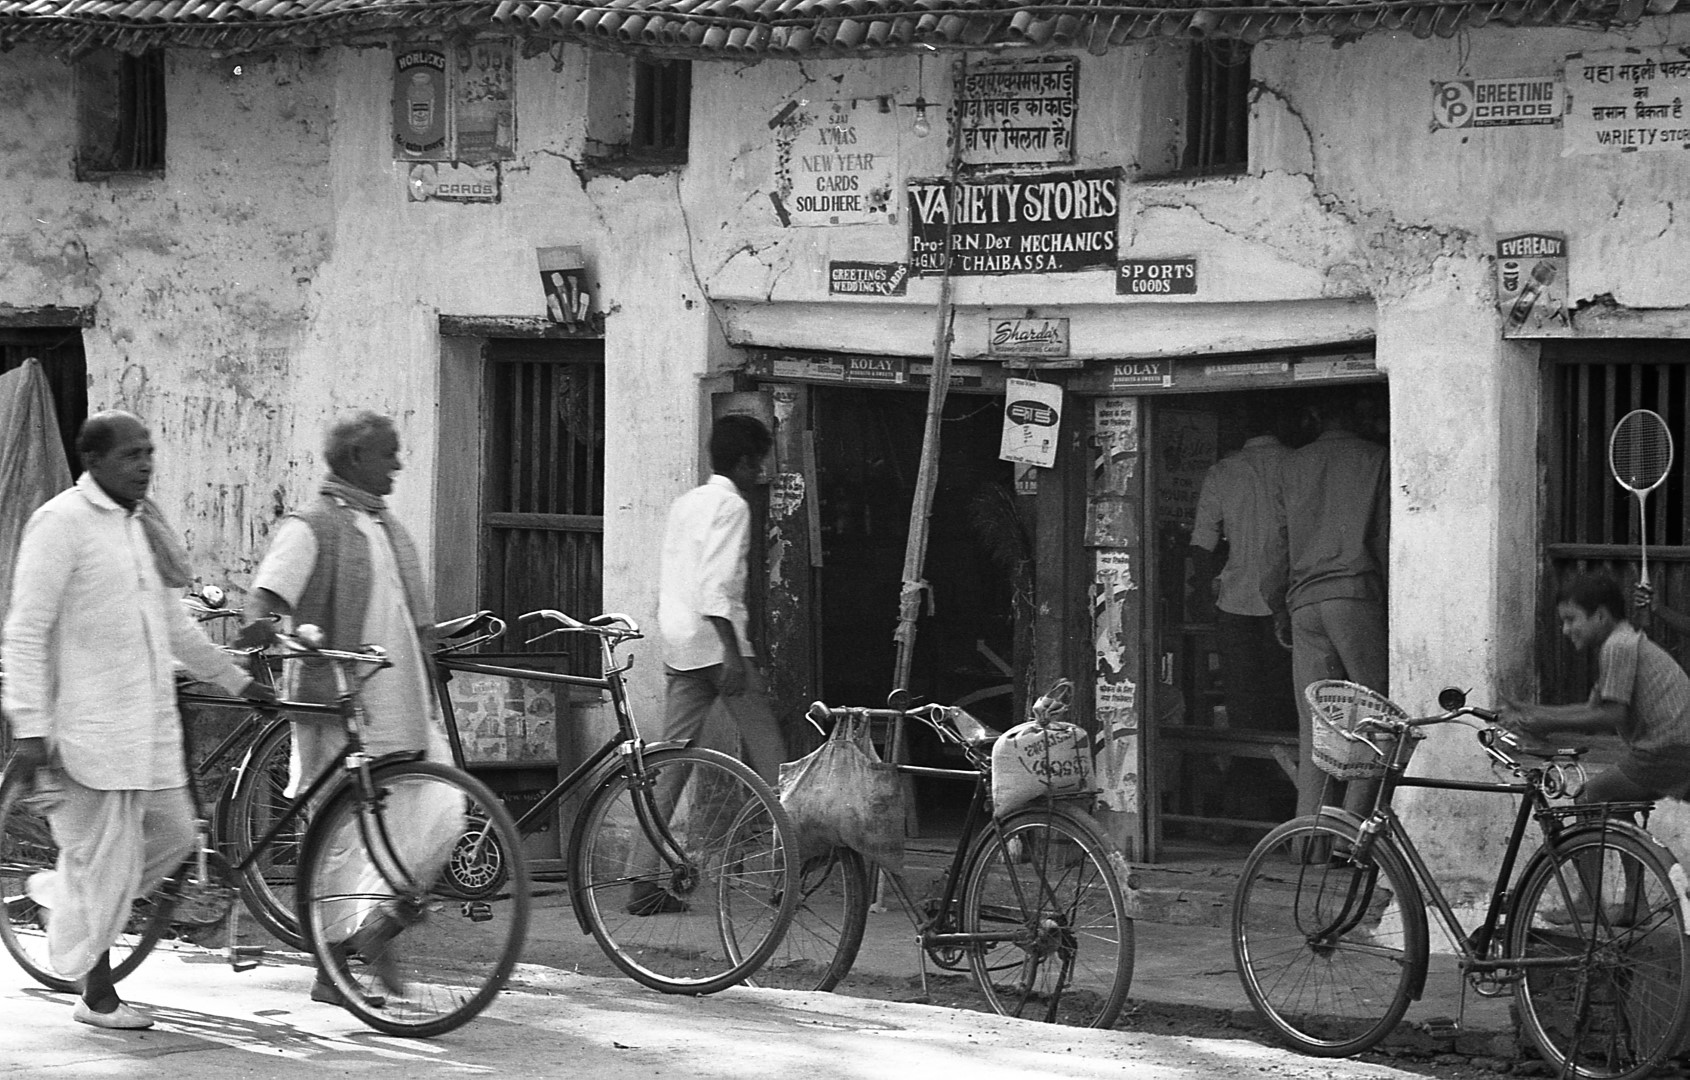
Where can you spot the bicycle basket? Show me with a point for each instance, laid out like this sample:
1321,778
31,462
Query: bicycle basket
1338,706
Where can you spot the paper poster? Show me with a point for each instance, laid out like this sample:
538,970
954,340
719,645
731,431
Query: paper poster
1032,414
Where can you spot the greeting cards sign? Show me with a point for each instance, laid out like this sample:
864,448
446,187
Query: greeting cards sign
1018,112
836,163
1627,100
1050,223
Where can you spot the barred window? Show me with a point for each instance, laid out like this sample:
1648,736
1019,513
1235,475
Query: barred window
1217,112
120,114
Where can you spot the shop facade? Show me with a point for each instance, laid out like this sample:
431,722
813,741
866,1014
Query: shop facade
283,268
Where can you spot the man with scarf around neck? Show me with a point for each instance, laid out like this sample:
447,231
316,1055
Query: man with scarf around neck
91,643
345,565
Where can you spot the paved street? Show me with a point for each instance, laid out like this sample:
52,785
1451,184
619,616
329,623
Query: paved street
215,1022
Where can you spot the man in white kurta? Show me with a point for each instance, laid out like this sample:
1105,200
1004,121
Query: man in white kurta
90,644
344,565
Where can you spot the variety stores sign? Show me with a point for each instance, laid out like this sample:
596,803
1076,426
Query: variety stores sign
1051,223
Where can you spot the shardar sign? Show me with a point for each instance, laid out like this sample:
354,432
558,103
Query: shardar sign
1045,224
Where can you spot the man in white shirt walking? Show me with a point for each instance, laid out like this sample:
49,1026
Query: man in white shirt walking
708,659
90,645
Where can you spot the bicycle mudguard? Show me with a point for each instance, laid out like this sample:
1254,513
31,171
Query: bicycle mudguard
577,829
1675,869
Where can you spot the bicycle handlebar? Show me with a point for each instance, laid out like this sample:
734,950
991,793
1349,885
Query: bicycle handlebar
613,626
952,723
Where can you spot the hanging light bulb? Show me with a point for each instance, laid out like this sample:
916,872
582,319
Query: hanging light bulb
922,127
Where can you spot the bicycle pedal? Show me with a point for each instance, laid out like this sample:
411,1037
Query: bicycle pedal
1441,1027
476,910
245,957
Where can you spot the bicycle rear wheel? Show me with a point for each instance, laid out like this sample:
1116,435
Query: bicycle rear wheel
1051,884
669,927
1617,1008
820,946
257,801
27,848
1330,952
408,953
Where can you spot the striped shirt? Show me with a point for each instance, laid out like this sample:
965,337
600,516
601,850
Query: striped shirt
1642,676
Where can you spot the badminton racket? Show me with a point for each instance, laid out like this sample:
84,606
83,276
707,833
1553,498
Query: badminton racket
1640,455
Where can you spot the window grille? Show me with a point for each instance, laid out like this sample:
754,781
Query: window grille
543,512
1590,522
1217,135
120,114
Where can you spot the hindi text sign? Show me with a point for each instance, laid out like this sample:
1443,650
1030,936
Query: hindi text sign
1032,413
1018,112
1627,100
836,163
1050,223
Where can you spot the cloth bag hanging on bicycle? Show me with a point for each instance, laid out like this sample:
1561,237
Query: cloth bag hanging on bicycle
843,795
1044,757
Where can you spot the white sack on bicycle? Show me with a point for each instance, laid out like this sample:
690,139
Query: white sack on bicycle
843,795
1046,756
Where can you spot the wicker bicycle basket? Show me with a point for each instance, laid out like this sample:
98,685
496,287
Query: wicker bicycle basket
1338,707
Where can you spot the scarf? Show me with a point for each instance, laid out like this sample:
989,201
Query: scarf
404,552
168,553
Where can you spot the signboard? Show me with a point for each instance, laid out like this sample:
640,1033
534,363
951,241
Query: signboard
836,163
1045,224
1531,284
1027,337
1018,112
452,182
454,103
1627,100
1480,103
1333,367
1125,374
867,279
1032,412
1156,277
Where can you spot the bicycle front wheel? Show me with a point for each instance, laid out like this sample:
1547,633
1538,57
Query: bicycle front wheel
668,924
27,848
388,925
1330,952
820,946
1600,924
1043,879
257,802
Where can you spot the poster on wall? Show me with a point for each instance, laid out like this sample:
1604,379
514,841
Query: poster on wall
1187,443
1018,112
1627,101
1484,103
836,163
1531,285
454,103
1032,413
1044,224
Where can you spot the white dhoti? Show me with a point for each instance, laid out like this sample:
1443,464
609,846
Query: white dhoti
114,848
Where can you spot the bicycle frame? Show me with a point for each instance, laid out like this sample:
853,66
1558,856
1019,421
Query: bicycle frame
624,743
1383,825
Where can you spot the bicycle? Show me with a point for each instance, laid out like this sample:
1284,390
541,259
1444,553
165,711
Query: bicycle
257,797
1031,903
725,838
429,958
1329,918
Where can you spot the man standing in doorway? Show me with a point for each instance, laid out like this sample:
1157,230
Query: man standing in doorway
1328,584
91,643
345,565
1237,503
708,659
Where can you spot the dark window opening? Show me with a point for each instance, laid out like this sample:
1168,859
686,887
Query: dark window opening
662,101
120,114
1590,521
66,368
1217,133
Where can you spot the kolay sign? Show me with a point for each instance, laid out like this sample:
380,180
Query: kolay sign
1046,224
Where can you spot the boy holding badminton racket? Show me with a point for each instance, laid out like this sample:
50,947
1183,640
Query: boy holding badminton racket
1641,695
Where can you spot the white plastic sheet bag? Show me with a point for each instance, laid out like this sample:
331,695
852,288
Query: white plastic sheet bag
1044,757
